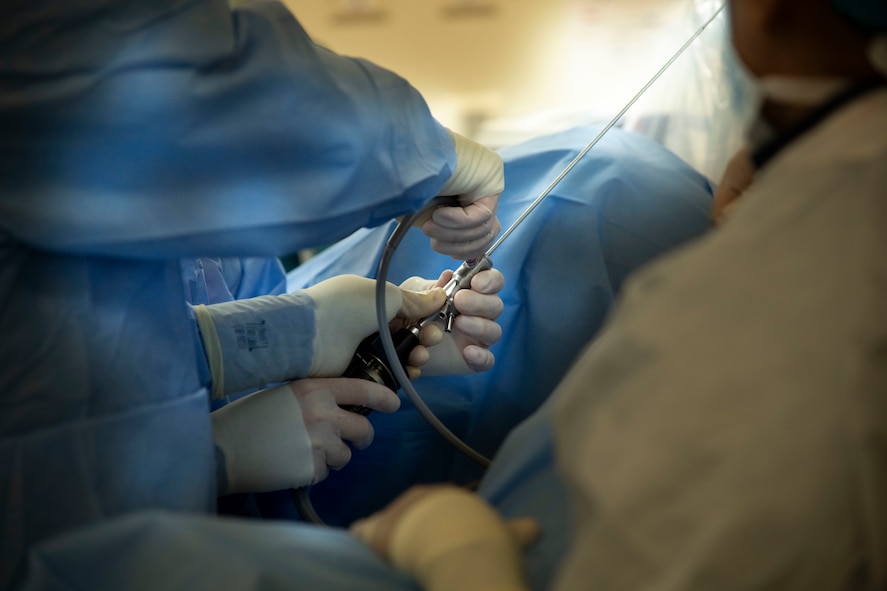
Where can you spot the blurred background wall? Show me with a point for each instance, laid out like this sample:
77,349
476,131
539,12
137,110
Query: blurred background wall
504,70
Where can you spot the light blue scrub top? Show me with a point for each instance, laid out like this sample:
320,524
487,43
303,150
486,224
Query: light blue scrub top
135,134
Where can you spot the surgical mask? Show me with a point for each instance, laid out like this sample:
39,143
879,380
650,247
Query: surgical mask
750,92
744,92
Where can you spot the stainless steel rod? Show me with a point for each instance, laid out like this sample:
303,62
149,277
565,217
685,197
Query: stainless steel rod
601,133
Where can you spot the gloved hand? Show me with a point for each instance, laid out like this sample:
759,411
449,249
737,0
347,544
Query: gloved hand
346,313
466,350
464,232
449,538
292,435
309,333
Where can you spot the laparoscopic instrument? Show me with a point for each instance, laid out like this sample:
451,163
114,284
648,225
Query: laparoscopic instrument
371,360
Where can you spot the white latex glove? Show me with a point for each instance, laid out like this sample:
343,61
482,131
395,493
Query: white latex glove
292,435
345,309
466,349
448,538
464,232
309,333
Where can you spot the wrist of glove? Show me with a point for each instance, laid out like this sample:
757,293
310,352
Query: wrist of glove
479,171
309,333
448,538
258,341
264,442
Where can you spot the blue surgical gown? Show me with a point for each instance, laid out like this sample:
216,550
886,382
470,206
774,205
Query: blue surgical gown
136,134
216,132
630,201
211,280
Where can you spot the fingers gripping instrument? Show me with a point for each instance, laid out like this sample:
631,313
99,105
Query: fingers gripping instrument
461,279
371,363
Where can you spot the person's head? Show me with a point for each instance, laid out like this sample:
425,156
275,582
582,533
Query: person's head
802,51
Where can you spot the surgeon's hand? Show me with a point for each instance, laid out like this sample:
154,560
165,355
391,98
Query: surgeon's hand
448,538
312,332
465,232
738,176
345,312
292,435
466,350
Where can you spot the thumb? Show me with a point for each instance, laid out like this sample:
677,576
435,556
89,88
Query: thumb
419,304
416,283
525,530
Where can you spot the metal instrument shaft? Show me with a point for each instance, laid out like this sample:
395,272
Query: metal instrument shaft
601,133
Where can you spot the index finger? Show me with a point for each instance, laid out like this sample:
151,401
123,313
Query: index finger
367,393
473,303
488,281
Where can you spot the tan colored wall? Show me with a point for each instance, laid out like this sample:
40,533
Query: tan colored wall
530,67
523,56
486,62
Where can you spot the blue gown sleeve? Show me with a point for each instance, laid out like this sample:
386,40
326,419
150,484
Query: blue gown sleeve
156,550
211,280
183,128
